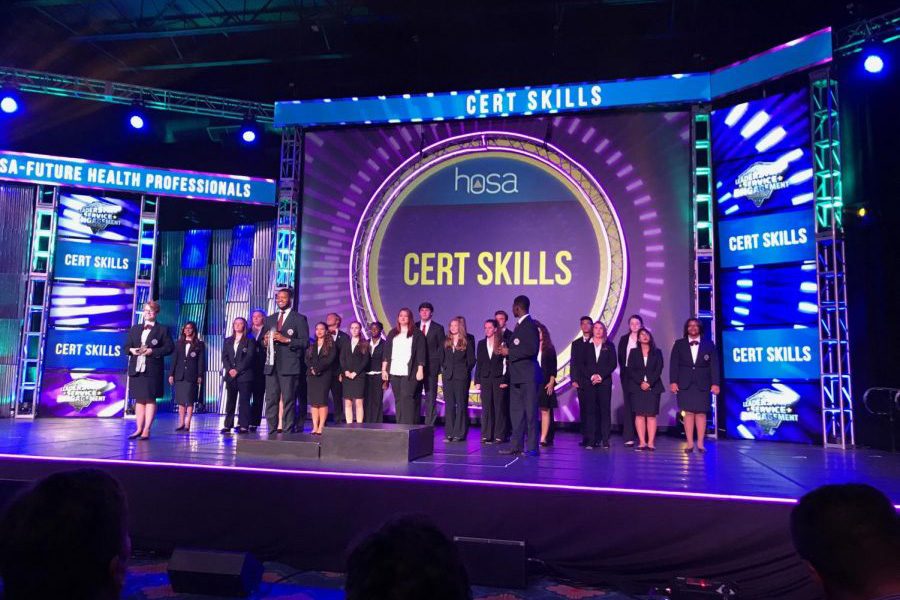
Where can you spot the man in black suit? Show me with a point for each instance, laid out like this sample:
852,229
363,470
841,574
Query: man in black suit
578,380
434,345
502,319
524,379
333,322
285,346
694,374
258,389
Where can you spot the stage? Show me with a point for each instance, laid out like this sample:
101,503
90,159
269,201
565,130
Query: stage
613,516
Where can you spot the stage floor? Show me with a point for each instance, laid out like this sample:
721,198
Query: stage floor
732,469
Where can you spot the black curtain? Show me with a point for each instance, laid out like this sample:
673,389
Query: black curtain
870,122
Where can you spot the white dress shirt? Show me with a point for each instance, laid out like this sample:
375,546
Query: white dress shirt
695,348
401,354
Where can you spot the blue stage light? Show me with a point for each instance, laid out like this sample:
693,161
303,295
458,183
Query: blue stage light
248,135
136,121
9,104
873,63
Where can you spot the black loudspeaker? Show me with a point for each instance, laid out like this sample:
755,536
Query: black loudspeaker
494,563
212,573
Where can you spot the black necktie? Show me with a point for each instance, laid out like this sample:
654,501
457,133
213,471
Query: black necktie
695,343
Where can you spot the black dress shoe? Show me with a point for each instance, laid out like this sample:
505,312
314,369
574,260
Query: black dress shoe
144,438
629,443
180,428
448,439
510,452
252,428
583,444
279,430
242,430
134,435
544,444
588,446
606,445
688,450
225,430
533,453
498,441
701,450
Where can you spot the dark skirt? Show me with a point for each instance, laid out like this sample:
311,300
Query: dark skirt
317,388
545,400
355,388
186,393
144,388
693,400
645,403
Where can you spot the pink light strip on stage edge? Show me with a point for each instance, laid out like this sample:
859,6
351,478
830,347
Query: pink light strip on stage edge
413,478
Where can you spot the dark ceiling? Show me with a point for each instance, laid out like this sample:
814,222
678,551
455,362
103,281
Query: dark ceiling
267,50
283,49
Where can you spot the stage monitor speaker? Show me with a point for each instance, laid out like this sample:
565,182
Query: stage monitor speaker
493,563
233,574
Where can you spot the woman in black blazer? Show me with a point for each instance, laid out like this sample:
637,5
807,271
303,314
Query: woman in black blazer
492,382
457,361
627,343
373,411
354,364
598,361
188,369
645,386
321,361
238,358
547,394
146,345
404,366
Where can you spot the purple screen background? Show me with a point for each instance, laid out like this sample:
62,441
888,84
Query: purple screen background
641,160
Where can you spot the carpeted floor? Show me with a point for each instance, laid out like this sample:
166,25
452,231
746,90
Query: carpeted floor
147,580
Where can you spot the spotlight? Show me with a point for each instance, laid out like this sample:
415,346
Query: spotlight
873,63
137,119
249,132
861,212
9,104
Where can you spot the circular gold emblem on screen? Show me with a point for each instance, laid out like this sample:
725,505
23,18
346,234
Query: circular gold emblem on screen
601,295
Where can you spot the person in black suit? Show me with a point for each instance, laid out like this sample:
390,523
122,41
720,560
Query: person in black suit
598,361
524,379
457,360
354,366
373,410
186,376
694,373
238,358
578,381
257,332
321,362
627,343
404,366
333,320
492,382
285,342
506,337
547,394
646,386
146,345
434,346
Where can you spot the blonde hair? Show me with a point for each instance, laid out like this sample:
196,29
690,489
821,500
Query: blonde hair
154,306
463,335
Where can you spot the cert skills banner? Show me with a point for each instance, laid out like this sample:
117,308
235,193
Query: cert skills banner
767,239
81,350
94,261
786,353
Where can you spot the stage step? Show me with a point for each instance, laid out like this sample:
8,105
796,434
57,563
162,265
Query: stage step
380,442
283,445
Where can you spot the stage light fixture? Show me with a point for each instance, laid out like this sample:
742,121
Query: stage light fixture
137,119
249,132
9,104
873,63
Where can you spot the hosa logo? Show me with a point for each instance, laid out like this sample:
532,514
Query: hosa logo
98,215
485,183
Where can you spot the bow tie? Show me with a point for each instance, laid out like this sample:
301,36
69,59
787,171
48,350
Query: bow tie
146,327
695,343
